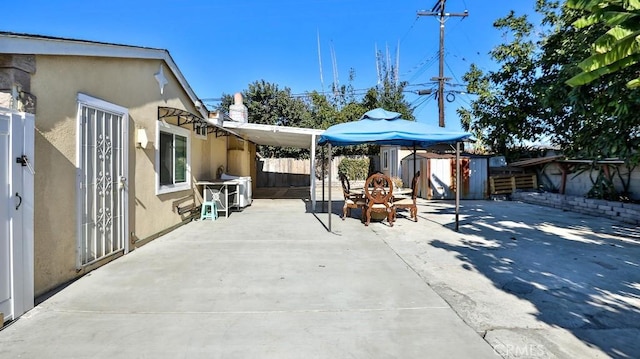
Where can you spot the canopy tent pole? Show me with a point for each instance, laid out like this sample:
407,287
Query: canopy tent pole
457,184
322,171
329,173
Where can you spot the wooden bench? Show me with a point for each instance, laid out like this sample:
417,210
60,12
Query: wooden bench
510,183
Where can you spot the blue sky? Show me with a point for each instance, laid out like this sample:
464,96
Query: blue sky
222,46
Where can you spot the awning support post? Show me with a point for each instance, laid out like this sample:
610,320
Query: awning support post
312,172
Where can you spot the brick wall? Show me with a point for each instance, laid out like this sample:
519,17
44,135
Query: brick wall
624,212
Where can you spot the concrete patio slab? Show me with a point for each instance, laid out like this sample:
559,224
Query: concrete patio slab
268,282
517,281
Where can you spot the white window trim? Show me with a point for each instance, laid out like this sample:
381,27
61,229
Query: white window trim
169,128
393,162
385,159
103,105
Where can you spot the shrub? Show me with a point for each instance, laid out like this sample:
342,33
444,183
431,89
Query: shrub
355,168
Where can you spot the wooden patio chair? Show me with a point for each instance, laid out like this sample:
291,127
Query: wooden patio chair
409,202
351,199
379,192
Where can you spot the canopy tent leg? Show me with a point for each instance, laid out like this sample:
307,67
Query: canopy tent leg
457,185
322,171
329,174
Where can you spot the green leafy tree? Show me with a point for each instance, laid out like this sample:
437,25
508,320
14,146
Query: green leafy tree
506,112
596,120
269,105
618,47
389,93
528,97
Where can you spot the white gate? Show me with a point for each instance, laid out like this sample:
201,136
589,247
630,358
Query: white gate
16,213
102,174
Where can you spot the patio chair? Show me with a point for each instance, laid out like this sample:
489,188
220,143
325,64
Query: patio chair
379,192
409,202
351,199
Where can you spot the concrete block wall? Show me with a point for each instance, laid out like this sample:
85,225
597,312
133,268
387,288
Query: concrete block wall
624,212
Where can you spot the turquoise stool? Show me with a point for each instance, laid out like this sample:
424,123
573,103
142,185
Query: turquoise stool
209,210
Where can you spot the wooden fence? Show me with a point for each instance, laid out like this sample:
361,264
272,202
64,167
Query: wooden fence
289,172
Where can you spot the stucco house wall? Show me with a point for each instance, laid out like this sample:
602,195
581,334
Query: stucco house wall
47,77
129,83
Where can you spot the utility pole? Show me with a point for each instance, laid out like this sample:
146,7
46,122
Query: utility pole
438,11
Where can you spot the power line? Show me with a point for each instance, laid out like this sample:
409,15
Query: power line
438,11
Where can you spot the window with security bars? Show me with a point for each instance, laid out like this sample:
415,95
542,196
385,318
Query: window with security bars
200,129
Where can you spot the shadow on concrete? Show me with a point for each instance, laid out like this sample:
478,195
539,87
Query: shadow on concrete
282,193
581,273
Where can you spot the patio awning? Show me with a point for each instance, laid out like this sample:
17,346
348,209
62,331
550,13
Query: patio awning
185,119
281,136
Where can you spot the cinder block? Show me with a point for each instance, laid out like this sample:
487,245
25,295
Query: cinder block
631,206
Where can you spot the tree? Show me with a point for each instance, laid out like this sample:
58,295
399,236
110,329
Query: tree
506,112
389,93
595,121
618,47
268,104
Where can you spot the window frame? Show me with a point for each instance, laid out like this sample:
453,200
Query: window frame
200,130
385,159
164,127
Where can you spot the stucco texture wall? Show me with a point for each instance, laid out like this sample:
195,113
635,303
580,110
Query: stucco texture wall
129,83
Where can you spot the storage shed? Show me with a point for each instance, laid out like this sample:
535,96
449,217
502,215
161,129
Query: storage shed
438,175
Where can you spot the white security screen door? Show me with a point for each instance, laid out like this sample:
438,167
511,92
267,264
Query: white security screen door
102,175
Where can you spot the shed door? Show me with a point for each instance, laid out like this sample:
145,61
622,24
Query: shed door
102,180
441,178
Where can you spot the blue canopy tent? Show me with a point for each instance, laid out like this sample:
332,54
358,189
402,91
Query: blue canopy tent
384,127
